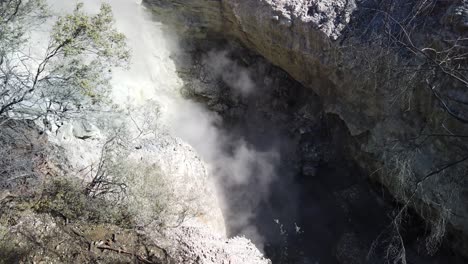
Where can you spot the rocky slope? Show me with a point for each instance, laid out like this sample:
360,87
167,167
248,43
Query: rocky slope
385,68
45,216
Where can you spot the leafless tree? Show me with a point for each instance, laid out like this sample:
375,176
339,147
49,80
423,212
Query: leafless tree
103,183
427,75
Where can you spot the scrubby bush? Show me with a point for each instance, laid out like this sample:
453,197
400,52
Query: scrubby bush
150,197
139,186
65,197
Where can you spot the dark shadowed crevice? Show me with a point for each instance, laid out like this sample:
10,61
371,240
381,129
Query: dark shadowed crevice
320,206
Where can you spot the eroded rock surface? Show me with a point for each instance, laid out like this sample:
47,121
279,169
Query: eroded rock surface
200,246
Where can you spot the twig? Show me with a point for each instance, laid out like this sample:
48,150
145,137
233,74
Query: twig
119,251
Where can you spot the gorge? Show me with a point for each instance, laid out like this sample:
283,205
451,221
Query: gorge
284,131
367,62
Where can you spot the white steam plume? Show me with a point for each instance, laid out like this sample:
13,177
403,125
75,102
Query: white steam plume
236,76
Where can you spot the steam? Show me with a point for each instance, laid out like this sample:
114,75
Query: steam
242,173
152,81
152,73
236,76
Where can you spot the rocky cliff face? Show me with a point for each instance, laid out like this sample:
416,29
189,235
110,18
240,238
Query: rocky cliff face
393,71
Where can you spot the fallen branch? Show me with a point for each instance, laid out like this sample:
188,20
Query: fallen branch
119,251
